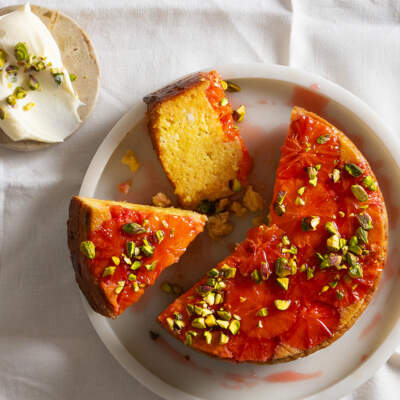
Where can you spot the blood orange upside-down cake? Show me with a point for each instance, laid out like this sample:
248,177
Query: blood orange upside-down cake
296,286
119,249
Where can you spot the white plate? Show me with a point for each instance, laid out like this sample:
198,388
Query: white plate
269,92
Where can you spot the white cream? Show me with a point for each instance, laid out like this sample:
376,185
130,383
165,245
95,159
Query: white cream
54,115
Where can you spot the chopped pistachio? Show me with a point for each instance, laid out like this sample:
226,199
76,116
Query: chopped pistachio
219,299
88,249
303,267
206,207
365,221
12,100
353,241
279,209
312,175
351,259
222,324
58,78
72,77
324,139
335,175
135,286
353,169
20,92
291,250
356,249
236,185
362,235
369,183
242,299
282,305
332,243
333,284
325,263
211,282
21,52
356,271
283,283
136,265
292,266
310,273
285,240
342,242
260,324
232,87
262,312
234,327
133,228
208,337
310,223
223,339
170,323
210,321
213,272
339,295
220,285
3,114
301,190
341,214
223,102
28,106
199,323
256,276
180,324
3,58
225,315
166,287
332,228
108,271
115,260
354,286
359,192
33,83
209,298
224,85
188,339
299,201
160,235
280,197
147,248
130,248
282,268
126,259
120,287
239,113
131,277
190,309
324,289
228,272
334,259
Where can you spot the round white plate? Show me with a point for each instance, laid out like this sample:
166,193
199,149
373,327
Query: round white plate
173,370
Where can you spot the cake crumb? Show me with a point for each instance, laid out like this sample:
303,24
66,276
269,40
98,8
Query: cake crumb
222,205
161,200
125,186
238,209
131,161
253,200
218,225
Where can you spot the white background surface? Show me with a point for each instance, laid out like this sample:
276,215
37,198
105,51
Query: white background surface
48,349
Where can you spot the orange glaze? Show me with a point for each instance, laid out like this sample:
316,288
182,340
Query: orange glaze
215,93
110,240
314,314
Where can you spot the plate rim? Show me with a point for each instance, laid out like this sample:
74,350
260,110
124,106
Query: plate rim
243,71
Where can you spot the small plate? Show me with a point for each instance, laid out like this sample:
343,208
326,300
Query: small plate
175,371
78,56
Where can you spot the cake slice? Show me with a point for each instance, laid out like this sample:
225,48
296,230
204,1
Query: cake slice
294,287
119,249
193,133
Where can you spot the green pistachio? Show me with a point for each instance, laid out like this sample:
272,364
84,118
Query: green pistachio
318,167
228,272
280,197
356,271
353,241
332,243
279,209
236,185
303,267
325,263
356,249
108,271
293,266
336,175
188,339
3,114
359,192
351,259
262,312
219,299
310,273
33,83
291,250
222,324
332,228
341,214
190,309
180,324
299,201
208,337
120,287
239,113
211,282
209,298
223,102
152,266
21,52
256,276
232,87
58,78
136,265
301,190
131,277
130,249
365,221
333,284
369,183
167,288
282,305
12,100
324,289
72,77
206,207
210,321
283,283
312,175
324,139
160,235
170,323
285,240
282,268
199,323
234,327
353,169
223,339
213,272
339,295
310,223
88,249
342,242
28,106
147,248
225,315
334,259
133,228
20,92
135,287
362,235
39,66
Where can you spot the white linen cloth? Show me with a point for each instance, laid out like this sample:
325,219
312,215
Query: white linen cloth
48,349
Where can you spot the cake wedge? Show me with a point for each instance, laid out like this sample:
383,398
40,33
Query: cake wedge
119,249
196,140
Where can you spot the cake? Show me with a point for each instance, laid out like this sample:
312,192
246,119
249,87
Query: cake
294,287
194,136
119,249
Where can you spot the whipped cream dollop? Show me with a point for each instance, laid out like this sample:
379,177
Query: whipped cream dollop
37,100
